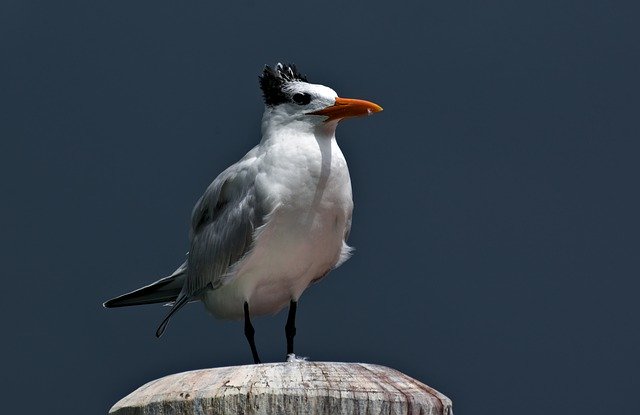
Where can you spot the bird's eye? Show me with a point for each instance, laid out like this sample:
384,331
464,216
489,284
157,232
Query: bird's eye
301,99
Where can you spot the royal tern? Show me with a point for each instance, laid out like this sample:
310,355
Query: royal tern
276,221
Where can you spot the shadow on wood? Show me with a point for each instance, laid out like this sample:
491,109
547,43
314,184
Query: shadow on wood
286,388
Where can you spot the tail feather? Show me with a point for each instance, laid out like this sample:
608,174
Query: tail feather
180,302
162,291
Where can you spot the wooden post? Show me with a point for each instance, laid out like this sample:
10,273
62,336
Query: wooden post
286,388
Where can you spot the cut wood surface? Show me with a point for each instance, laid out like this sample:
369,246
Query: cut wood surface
286,388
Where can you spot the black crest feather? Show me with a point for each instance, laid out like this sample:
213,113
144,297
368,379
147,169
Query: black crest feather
274,79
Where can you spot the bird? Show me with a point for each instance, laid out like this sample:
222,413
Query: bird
275,222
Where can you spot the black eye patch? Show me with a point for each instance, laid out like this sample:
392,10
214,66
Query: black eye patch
301,99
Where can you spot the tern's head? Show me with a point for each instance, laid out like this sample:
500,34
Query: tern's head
289,97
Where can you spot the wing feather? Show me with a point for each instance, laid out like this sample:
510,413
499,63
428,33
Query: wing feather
223,226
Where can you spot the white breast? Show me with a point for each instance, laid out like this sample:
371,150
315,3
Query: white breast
308,186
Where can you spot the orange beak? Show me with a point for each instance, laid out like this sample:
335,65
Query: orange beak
347,108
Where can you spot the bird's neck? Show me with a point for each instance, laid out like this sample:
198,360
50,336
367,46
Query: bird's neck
274,127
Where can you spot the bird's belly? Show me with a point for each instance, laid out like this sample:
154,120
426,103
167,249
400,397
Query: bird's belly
291,251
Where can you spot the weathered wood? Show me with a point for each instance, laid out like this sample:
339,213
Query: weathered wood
286,388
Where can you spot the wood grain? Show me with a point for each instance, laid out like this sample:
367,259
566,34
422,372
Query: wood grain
286,388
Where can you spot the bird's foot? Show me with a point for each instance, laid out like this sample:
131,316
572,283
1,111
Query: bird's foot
293,358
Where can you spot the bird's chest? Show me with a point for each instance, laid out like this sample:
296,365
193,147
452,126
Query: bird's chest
307,192
311,201
309,177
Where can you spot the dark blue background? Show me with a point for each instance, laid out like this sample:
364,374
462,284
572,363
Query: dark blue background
496,219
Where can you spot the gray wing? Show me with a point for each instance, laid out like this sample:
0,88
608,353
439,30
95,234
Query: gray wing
223,225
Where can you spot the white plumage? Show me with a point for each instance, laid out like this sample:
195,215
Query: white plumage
301,177
275,221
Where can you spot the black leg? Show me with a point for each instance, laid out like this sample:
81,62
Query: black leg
249,332
290,328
